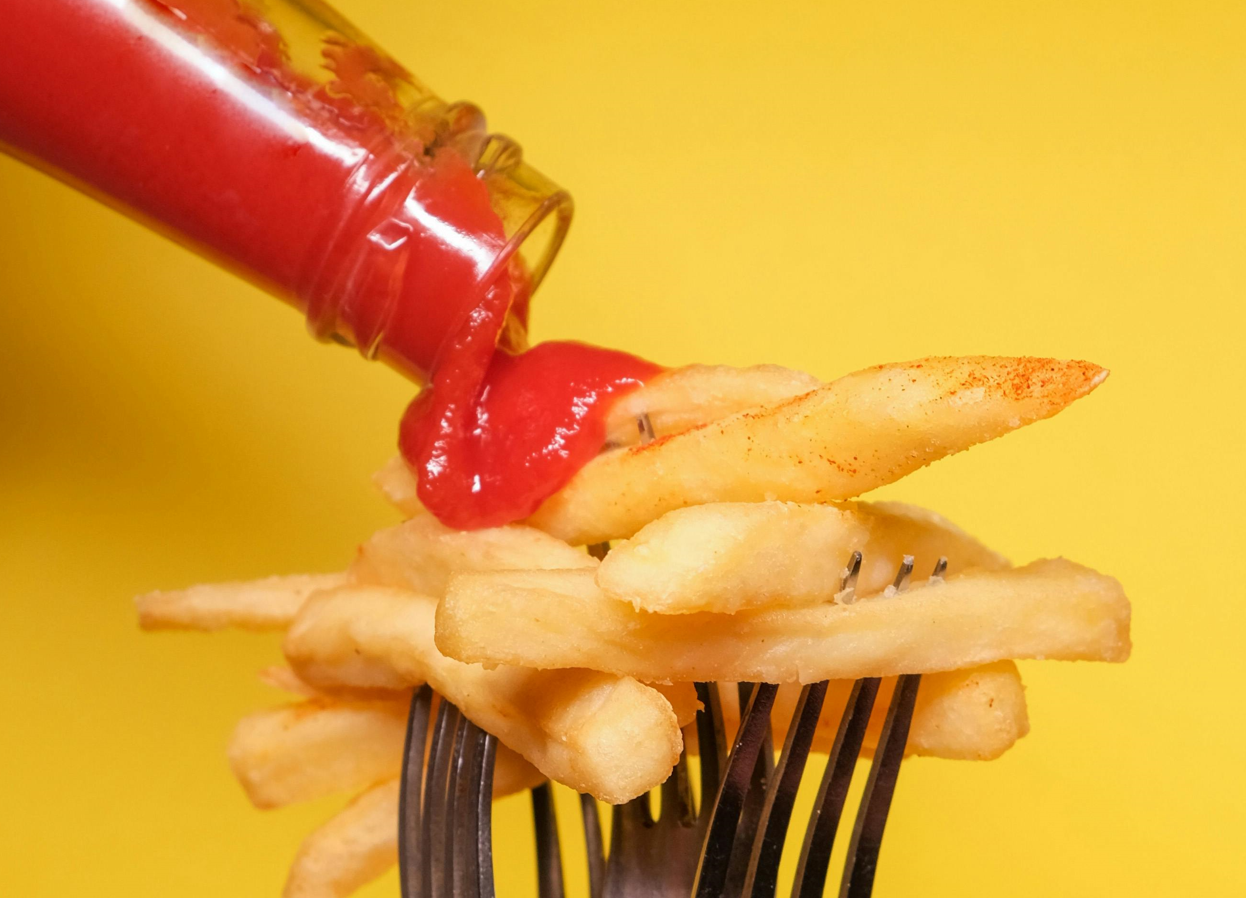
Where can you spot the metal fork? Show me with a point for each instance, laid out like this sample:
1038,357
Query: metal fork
729,847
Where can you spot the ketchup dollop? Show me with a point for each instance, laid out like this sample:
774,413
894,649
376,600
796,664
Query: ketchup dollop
496,434
318,181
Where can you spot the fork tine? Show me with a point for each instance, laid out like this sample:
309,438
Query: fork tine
763,869
548,855
410,796
724,819
466,789
626,820
436,796
902,576
828,806
645,426
677,807
754,802
484,816
593,845
867,834
445,831
848,586
711,741
765,759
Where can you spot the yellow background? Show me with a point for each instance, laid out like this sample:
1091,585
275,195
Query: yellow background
824,185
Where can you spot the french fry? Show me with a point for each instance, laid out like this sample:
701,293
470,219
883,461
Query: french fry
398,485
897,529
676,400
268,604
421,554
730,556
612,737
687,397
283,679
512,773
304,751
554,619
353,848
972,715
860,432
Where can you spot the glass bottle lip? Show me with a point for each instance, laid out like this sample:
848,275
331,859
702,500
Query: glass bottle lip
541,233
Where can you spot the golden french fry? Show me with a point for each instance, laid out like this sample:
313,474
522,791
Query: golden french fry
553,619
612,737
860,432
267,604
304,751
421,554
350,850
674,401
512,773
686,397
971,715
397,484
286,680
730,556
309,749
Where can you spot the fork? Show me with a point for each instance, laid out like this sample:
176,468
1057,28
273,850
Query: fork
729,847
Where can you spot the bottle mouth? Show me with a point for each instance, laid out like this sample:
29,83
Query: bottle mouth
536,213
393,285
540,237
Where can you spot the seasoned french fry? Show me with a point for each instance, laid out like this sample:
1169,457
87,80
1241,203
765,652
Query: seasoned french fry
421,554
304,751
860,432
729,556
612,737
397,484
267,604
687,397
971,715
350,850
552,619
675,401
309,749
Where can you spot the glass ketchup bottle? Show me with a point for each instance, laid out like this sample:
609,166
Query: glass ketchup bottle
278,140
271,136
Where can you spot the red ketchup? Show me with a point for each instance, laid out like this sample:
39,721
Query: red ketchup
340,184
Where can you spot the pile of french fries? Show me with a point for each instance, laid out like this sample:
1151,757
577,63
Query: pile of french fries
731,533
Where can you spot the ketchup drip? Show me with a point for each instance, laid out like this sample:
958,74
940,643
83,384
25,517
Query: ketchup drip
490,444
326,189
